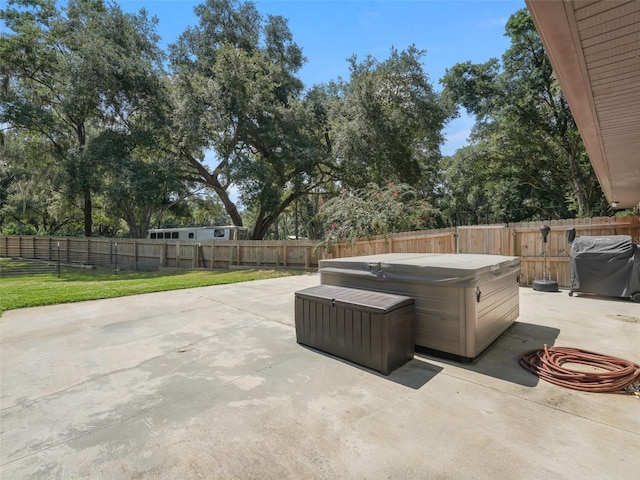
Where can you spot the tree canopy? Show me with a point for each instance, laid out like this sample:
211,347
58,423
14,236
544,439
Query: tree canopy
74,73
386,121
102,132
374,210
237,94
526,153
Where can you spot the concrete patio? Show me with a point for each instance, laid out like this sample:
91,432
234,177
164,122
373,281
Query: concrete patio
210,383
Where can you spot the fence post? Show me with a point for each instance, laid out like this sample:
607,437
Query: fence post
115,268
165,248
58,259
213,257
634,229
456,240
512,241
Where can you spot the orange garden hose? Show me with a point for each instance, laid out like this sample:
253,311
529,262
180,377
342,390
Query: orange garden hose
614,373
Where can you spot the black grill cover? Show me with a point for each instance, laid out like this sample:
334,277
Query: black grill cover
604,266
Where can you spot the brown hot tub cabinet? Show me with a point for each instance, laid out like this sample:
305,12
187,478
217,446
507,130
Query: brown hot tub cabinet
369,328
463,302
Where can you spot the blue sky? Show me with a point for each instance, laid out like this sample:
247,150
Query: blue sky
330,31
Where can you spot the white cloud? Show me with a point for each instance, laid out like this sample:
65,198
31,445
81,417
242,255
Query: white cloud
458,136
494,22
454,141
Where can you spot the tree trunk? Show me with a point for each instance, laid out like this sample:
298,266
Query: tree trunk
578,185
87,209
206,178
229,206
263,223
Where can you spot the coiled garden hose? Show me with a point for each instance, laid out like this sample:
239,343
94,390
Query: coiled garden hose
614,374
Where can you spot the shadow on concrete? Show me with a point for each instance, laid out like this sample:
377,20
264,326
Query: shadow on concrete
593,296
413,374
500,359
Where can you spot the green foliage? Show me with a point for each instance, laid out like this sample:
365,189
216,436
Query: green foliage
199,209
527,152
482,186
236,93
386,122
95,130
207,210
30,200
375,210
138,180
73,73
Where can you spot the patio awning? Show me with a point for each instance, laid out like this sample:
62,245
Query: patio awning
594,48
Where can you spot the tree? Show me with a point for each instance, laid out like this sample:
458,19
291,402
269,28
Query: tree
524,127
375,210
29,200
74,72
480,188
237,95
386,122
205,209
138,180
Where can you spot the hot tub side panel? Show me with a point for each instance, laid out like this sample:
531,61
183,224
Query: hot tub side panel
487,319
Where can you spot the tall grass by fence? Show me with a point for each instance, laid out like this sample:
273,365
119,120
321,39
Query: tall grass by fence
519,239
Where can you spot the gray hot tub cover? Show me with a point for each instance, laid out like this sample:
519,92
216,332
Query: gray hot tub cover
460,270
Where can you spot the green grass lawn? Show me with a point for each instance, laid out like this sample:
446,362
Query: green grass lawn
75,285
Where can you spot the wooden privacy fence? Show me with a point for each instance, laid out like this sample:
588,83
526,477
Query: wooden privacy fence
145,254
426,241
523,240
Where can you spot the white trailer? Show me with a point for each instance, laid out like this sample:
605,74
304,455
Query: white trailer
228,232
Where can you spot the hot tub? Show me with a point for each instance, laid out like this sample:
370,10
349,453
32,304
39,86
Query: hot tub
463,302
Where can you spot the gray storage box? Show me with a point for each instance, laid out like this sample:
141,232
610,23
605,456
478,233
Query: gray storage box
369,328
463,302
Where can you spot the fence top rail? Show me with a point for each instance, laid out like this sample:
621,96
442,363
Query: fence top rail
591,226
404,235
571,222
423,236
475,227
